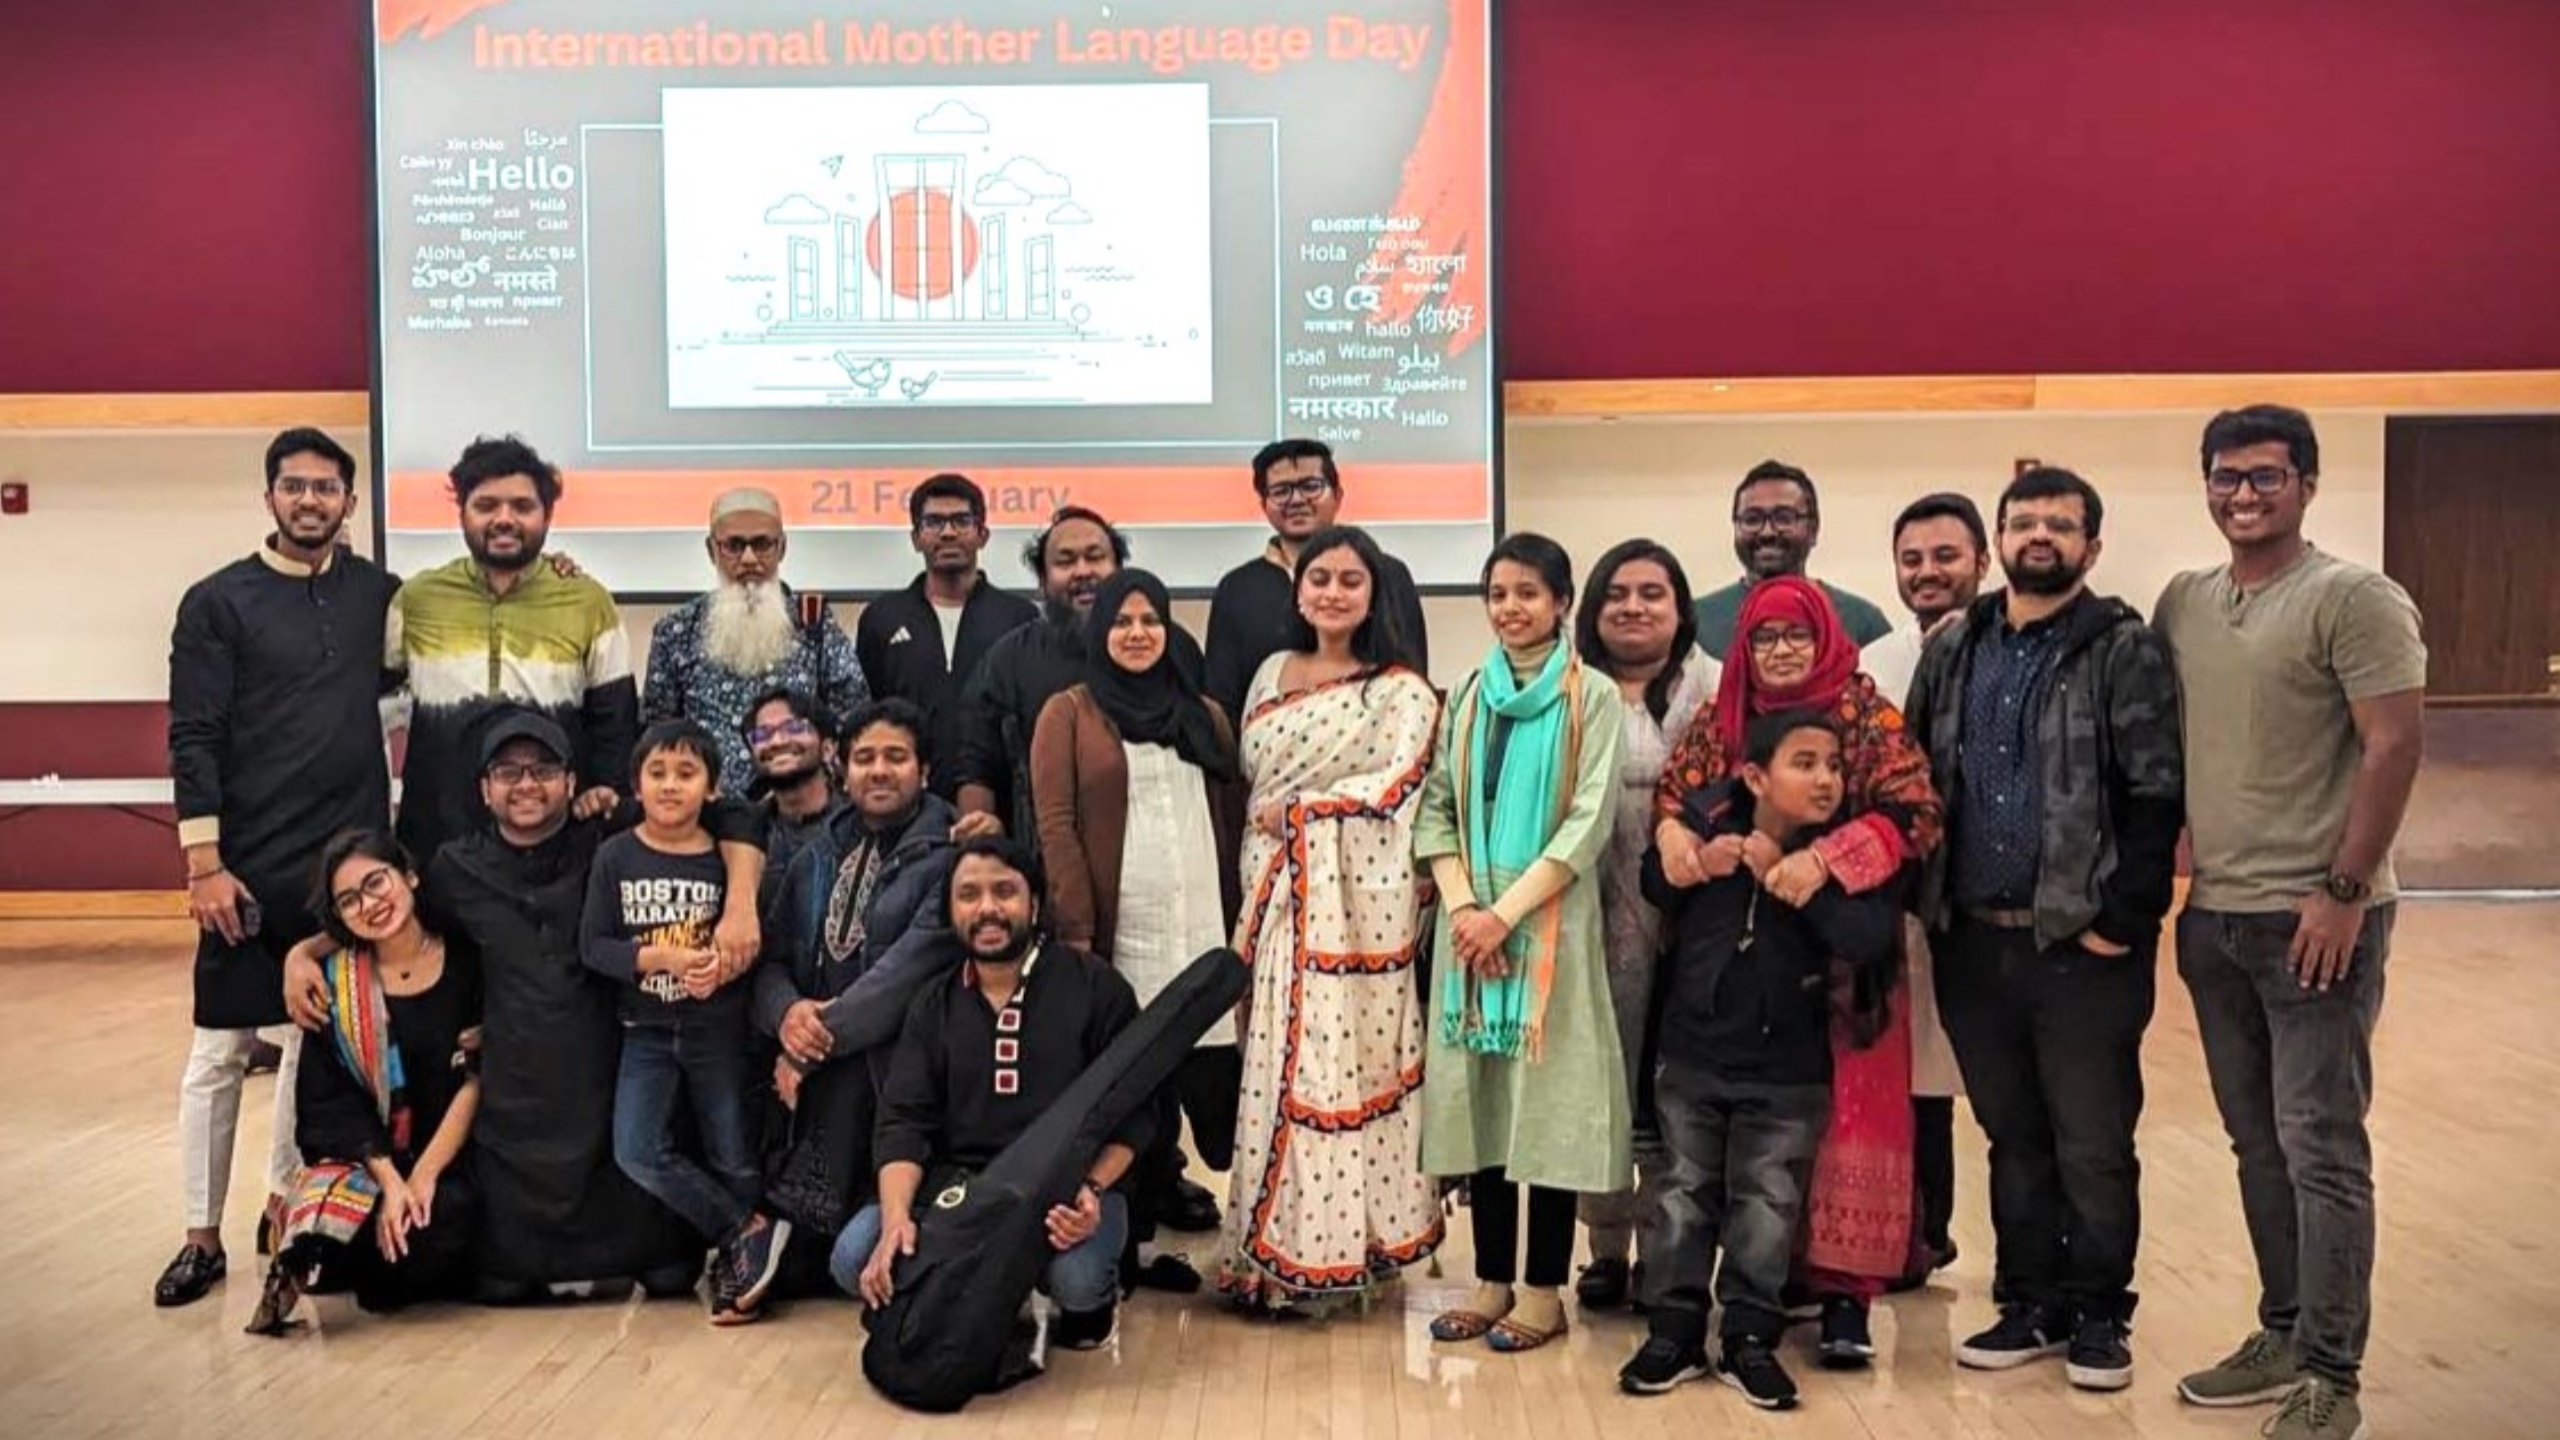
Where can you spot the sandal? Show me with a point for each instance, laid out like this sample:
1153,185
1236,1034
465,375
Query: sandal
274,1315
1512,1338
1453,1326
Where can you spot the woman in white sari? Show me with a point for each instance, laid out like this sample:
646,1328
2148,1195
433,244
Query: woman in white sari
1327,1199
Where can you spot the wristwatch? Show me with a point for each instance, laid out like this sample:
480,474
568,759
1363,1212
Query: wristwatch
2347,889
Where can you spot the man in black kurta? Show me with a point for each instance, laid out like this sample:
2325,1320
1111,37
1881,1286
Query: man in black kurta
1256,608
275,744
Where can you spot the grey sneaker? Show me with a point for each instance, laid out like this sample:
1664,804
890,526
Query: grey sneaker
2260,1372
2317,1409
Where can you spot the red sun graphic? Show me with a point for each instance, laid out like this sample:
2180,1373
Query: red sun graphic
919,225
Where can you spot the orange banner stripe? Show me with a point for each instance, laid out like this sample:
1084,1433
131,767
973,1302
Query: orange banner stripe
1168,495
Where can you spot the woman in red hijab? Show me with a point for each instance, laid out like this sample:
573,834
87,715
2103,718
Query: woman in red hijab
1791,652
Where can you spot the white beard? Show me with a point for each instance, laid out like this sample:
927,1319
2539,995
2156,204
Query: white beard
746,630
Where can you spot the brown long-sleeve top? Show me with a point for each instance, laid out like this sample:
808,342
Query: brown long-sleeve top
1080,786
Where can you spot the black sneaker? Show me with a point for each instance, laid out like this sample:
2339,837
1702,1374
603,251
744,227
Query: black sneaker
2026,1333
1194,1209
2100,1357
1603,1284
1750,1366
720,1287
1083,1329
1847,1344
1662,1366
753,1259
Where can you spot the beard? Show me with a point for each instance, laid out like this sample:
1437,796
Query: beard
746,630
1017,944
2054,579
528,551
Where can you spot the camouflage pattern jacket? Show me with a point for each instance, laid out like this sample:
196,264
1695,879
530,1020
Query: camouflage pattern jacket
2113,767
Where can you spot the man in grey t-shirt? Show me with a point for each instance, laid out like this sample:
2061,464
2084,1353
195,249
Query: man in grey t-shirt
2304,678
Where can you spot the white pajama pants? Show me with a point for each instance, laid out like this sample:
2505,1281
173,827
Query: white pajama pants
209,1117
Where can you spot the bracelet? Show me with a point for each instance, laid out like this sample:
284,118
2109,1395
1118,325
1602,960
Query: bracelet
195,875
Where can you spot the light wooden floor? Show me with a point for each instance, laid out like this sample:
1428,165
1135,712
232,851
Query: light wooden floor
2468,1295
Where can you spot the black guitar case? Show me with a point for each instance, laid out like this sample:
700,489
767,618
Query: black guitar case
980,1247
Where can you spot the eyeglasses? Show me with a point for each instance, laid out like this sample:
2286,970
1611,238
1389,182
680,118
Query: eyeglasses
1770,638
959,522
541,772
2266,479
2060,527
1306,489
323,488
780,729
760,546
1785,517
374,886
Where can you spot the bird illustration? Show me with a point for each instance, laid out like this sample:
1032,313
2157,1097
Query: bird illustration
868,374
915,388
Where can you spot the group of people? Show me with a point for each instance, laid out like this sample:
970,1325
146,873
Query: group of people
1682,917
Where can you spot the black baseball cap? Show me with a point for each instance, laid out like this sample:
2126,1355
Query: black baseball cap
513,725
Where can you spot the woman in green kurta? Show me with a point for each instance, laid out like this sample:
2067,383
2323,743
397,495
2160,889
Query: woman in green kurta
1525,1084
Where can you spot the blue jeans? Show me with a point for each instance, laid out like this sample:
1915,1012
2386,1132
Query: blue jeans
1082,1279
705,1065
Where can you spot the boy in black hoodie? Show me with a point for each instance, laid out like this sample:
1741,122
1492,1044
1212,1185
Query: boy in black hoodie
1741,1058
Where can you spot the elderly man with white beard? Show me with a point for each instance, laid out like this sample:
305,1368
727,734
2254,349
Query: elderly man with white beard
711,658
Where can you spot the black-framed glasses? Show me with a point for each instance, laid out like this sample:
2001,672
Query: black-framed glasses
324,487
540,772
759,546
1785,517
376,885
2265,479
791,728
1770,638
958,522
1310,488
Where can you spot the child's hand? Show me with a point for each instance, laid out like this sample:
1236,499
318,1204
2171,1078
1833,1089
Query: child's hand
1796,879
1760,855
701,973
1721,856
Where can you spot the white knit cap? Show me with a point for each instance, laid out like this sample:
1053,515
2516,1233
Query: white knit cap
746,500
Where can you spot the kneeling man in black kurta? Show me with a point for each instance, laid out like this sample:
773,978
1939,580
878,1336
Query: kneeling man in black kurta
980,1059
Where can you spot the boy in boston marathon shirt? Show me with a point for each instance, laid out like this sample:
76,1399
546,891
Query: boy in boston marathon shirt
652,900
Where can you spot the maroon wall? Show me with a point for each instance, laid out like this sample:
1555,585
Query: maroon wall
1736,187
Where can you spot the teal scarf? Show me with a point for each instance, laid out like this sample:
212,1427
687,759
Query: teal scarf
1505,1015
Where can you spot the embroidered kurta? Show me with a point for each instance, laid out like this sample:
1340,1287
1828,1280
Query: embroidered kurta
1327,1193
1561,1118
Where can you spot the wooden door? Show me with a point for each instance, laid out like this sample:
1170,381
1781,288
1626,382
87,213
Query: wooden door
2471,525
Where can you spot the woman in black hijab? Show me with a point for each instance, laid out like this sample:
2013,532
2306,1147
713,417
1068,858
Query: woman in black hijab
1140,805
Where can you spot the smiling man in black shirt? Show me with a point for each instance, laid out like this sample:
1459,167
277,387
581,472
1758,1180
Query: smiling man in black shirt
979,1061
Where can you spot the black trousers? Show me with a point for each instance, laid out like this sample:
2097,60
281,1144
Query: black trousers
1204,1088
1493,1209
1728,1213
2050,1041
1933,1165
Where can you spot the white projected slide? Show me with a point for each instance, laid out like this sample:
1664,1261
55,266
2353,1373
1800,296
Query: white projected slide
937,245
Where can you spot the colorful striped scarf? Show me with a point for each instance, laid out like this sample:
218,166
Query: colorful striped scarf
333,1199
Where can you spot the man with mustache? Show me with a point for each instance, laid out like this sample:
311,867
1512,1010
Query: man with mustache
1940,558
1001,703
2050,715
275,744
1777,520
795,761
711,657
921,644
978,1061
494,630
1251,618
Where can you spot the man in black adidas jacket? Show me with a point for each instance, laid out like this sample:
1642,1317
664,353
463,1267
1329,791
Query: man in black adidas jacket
2050,716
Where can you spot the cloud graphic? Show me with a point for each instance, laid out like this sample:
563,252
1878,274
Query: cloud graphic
797,210
996,190
1036,178
1070,213
952,118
